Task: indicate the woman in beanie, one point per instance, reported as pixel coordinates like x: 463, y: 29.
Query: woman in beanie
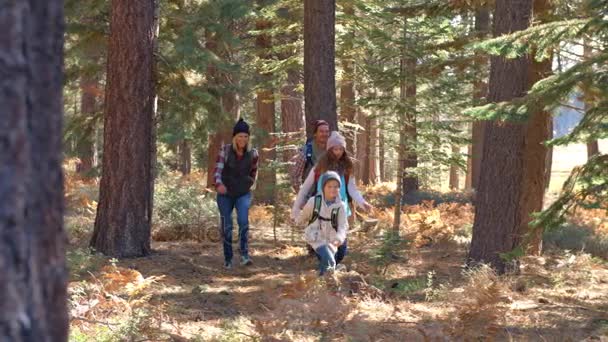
x: 235, y: 175
x: 335, y: 159
x: 325, y: 215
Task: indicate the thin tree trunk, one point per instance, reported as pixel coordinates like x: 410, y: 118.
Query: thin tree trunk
x: 33, y: 281
x: 382, y: 151
x: 89, y: 86
x: 319, y: 64
x: 410, y: 181
x: 468, y: 178
x: 265, y: 124
x: 498, y: 211
x: 122, y: 224
x: 535, y: 158
x: 348, y: 111
x: 407, y: 129
x: 482, y: 26
x: 185, y: 156
x: 363, y: 149
x: 292, y: 115
x: 454, y: 169
x: 374, y: 151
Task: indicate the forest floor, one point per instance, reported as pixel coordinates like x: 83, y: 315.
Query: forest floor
x: 407, y: 288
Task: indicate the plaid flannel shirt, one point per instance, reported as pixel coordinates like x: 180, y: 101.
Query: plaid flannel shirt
x: 221, y: 158
x: 297, y: 168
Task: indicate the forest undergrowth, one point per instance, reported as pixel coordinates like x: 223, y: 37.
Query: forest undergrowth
x: 410, y: 286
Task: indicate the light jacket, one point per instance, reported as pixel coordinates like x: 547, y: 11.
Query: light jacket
x: 321, y: 232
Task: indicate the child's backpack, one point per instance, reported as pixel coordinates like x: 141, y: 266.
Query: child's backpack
x: 317, y: 210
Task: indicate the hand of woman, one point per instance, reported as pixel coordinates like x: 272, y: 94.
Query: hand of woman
x: 367, y: 207
x: 221, y: 189
x: 336, y: 243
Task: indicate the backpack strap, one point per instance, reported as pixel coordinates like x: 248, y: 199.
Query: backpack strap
x: 316, y: 210
x: 308, y: 152
x: 313, y: 191
x: 334, y: 218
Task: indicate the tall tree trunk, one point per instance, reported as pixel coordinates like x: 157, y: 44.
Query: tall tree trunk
x: 185, y: 156
x: 498, y: 211
x: 374, y: 151
x: 410, y: 180
x: 348, y: 111
x: 482, y: 26
x: 265, y: 123
x: 319, y: 64
x: 535, y: 157
x: 406, y: 150
x: 454, y: 169
x: 226, y: 105
x: 122, y: 224
x: 33, y: 285
x: 292, y: 115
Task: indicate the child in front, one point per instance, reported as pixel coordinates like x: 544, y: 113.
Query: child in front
x: 325, y: 215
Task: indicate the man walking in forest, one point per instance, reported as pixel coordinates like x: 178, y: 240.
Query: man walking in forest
x: 234, y: 176
x: 309, y: 154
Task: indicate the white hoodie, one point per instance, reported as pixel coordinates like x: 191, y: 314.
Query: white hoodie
x: 321, y: 232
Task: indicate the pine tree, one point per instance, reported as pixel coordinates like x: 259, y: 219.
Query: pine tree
x: 499, y: 216
x: 124, y: 213
x: 33, y: 290
x: 319, y: 65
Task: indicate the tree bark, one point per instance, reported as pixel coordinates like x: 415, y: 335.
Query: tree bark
x: 122, y: 224
x: 406, y: 150
x: 33, y: 281
x: 482, y: 25
x: 454, y: 169
x: 374, y: 151
x: 535, y: 157
x: 319, y: 64
x: 499, y: 212
x: 185, y: 156
x: 265, y: 123
x: 348, y: 111
x: 410, y: 180
x: 382, y: 151
x: 292, y: 114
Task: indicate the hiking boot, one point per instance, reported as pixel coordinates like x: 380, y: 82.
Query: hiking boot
x: 341, y: 268
x: 228, y: 265
x: 246, y: 260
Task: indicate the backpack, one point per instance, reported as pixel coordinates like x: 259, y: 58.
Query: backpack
x: 308, y: 164
x: 317, y: 210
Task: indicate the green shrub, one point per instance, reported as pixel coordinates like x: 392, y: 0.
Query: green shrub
x: 578, y: 238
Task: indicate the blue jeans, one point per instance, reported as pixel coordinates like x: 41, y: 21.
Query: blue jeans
x: 326, y: 259
x: 340, y: 253
x: 226, y: 204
